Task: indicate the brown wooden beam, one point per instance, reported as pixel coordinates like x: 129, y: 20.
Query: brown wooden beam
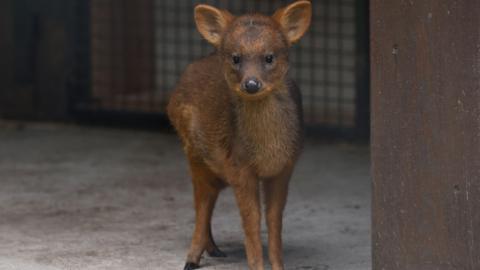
x: 425, y: 63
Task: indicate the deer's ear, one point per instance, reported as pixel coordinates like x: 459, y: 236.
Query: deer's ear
x: 294, y: 19
x: 212, y: 22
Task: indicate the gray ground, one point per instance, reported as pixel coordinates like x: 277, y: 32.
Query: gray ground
x: 83, y: 198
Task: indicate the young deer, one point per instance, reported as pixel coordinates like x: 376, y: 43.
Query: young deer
x: 240, y: 120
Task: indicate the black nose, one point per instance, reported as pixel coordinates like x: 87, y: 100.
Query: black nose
x: 252, y: 85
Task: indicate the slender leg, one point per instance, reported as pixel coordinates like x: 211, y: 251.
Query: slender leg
x: 247, y: 196
x: 276, y: 190
x: 212, y: 248
x: 205, y: 194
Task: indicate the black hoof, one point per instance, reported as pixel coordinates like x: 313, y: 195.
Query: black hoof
x: 217, y: 253
x: 191, y: 266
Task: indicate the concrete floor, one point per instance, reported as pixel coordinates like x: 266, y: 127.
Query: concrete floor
x: 83, y: 198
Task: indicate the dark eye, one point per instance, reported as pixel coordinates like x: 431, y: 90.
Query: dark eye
x: 236, y: 59
x: 269, y: 58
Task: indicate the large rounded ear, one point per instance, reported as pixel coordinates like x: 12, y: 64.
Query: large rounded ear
x: 294, y: 19
x: 212, y: 22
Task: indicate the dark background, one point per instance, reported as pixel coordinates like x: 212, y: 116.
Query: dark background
x: 115, y: 62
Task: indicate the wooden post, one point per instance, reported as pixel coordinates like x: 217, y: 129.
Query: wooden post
x: 425, y: 63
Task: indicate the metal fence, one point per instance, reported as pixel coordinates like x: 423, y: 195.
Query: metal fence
x: 137, y: 50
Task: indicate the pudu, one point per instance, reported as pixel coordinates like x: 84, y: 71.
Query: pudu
x: 239, y: 117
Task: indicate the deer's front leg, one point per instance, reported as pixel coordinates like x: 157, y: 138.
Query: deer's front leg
x: 246, y: 188
x: 276, y: 190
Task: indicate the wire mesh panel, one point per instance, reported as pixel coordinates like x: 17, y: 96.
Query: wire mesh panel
x: 123, y: 63
x: 140, y: 48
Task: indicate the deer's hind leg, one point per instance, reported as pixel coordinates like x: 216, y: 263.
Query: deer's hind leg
x: 212, y: 248
x: 206, y: 188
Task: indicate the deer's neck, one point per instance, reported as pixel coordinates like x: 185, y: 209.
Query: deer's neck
x: 267, y: 130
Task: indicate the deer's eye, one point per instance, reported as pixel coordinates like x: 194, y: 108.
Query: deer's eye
x: 236, y: 59
x: 269, y: 58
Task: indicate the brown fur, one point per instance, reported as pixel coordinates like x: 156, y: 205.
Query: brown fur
x: 236, y: 138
